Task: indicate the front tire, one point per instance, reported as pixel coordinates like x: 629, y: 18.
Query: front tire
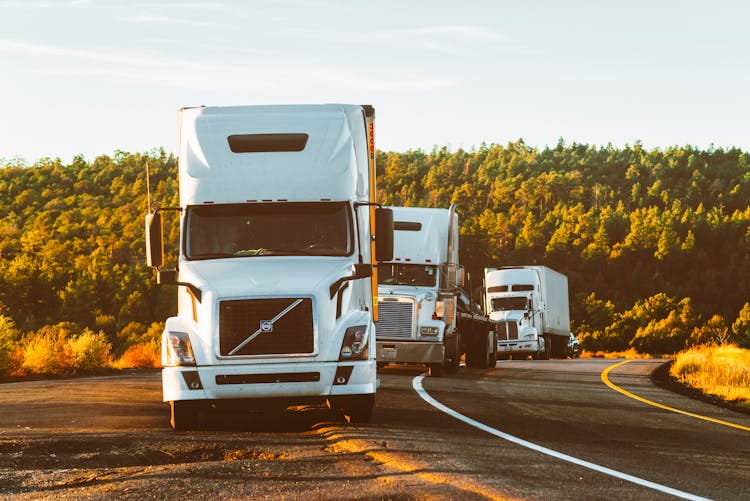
x: 436, y: 370
x: 183, y: 415
x: 452, y: 353
x: 358, y: 408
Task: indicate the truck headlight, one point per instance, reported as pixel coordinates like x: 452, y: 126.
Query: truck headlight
x: 429, y: 331
x: 354, y: 346
x: 179, y: 350
x: 530, y: 336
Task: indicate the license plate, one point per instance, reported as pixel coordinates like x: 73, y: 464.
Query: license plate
x: 389, y: 353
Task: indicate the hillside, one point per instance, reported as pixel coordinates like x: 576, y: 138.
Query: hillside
x: 656, y: 244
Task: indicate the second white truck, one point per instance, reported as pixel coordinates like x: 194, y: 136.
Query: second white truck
x: 531, y: 302
x: 425, y: 316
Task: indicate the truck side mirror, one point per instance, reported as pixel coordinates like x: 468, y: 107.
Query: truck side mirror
x: 383, y: 234
x: 154, y: 240
x: 361, y: 270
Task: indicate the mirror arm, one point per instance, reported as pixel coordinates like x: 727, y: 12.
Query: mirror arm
x: 358, y: 271
x: 193, y: 289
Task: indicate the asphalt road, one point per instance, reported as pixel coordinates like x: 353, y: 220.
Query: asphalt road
x: 551, y: 430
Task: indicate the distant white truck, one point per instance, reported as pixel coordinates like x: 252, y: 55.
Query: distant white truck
x: 532, y: 304
x: 425, y: 316
x: 278, y: 236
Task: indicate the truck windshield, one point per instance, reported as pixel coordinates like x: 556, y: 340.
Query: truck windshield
x: 273, y: 229
x: 509, y: 303
x: 407, y: 274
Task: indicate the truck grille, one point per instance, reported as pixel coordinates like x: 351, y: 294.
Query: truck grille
x: 507, y: 331
x: 395, y: 319
x: 279, y: 326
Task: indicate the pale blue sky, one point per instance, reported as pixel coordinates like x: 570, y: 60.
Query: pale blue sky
x: 94, y: 76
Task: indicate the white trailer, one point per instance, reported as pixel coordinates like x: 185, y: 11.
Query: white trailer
x: 425, y: 318
x: 277, y: 298
x: 532, y: 302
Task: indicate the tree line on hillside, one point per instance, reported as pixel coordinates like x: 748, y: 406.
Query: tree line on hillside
x: 656, y: 244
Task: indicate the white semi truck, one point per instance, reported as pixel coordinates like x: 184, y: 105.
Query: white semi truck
x: 531, y: 302
x: 425, y: 316
x: 277, y: 289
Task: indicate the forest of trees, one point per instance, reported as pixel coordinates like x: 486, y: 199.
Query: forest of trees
x: 655, y: 243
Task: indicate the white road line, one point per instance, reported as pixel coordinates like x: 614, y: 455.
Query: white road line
x: 417, y: 384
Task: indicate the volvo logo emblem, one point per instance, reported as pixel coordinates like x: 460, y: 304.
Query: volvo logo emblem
x: 266, y: 326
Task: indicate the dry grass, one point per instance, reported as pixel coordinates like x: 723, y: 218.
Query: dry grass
x: 722, y: 370
x: 146, y: 354
x: 53, y: 352
x: 629, y: 353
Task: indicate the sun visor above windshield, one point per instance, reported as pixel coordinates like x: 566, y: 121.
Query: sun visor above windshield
x: 295, y: 153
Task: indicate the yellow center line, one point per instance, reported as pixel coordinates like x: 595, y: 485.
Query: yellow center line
x: 605, y: 380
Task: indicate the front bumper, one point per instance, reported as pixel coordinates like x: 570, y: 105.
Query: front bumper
x: 410, y: 352
x: 520, y: 347
x: 272, y: 380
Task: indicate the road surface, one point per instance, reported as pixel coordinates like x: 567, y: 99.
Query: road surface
x: 524, y: 430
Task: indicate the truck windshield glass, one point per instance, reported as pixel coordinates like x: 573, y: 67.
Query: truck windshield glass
x: 407, y: 274
x: 273, y: 229
x: 509, y: 303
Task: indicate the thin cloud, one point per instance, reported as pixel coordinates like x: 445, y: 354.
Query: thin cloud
x: 261, y: 79
x: 445, y: 39
x: 159, y: 19
x: 44, y: 4
x: 468, y: 32
x: 171, y: 72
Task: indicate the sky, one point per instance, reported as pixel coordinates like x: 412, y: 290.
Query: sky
x: 90, y: 77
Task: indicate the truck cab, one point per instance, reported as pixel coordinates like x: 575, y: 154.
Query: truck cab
x: 276, y: 300
x: 417, y: 290
x: 511, y: 296
x: 531, y: 302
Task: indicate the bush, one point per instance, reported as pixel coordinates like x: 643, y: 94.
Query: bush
x: 47, y: 353
x: 9, y: 337
x: 58, y: 350
x: 146, y: 354
x: 90, y: 351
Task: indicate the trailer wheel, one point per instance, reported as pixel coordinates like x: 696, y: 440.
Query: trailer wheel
x: 452, y: 353
x: 183, y: 415
x: 493, y: 350
x: 559, y: 346
x: 436, y: 370
x: 478, y: 356
x: 547, y: 347
x: 358, y: 408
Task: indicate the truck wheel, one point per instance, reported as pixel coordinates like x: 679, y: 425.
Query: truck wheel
x: 492, y: 359
x: 452, y: 355
x: 559, y: 346
x: 478, y: 356
x: 547, y: 347
x: 436, y: 370
x: 183, y: 415
x: 358, y: 408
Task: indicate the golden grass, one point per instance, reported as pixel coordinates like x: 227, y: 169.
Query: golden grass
x: 629, y: 353
x: 722, y: 370
x: 146, y: 354
x: 53, y: 352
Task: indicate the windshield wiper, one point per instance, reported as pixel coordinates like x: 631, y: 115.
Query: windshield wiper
x: 272, y: 252
x: 212, y: 255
